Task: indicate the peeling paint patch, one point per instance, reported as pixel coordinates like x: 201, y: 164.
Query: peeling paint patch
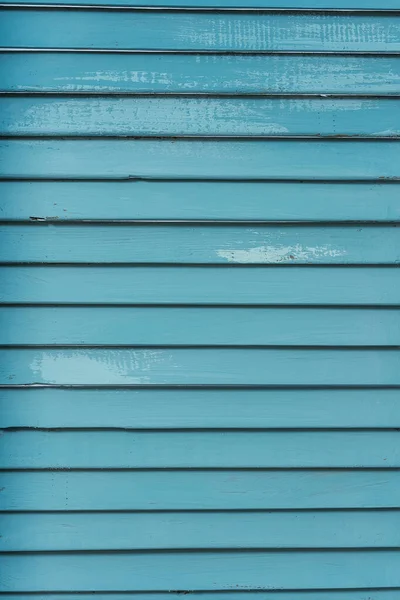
x: 279, y: 254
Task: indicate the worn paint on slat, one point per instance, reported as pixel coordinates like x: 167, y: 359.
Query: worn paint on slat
x: 154, y: 30
x: 194, y: 450
x: 199, y: 116
x: 139, y: 531
x: 199, y: 408
x: 226, y: 285
x: 198, y: 159
x: 169, y: 73
x: 200, y: 366
x: 200, y: 244
x: 222, y: 201
x: 199, y: 326
x: 200, y: 571
x: 199, y: 489
x: 365, y: 594
x: 222, y: 4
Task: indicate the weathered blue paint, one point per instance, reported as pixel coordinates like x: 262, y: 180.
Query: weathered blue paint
x: 199, y: 361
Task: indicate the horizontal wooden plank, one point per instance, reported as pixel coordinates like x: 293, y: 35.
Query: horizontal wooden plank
x: 154, y: 530
x: 199, y: 326
x: 226, y: 285
x: 199, y: 490
x: 216, y: 200
x: 200, y: 571
x: 200, y: 244
x: 200, y: 159
x: 234, y: 4
x: 200, y: 366
x: 169, y: 73
x: 364, y: 594
x: 169, y: 116
x: 199, y: 408
x: 152, y: 30
x: 85, y: 449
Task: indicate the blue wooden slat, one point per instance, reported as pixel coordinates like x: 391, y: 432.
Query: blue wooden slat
x: 39, y: 243
x: 165, y: 116
x: 200, y: 31
x: 211, y: 450
x: 199, y: 326
x: 182, y: 366
x: 168, y: 73
x: 199, y: 490
x: 199, y: 159
x: 200, y: 571
x: 131, y: 531
x: 200, y: 285
x: 199, y: 408
x: 365, y: 594
x: 312, y: 201
x: 224, y: 4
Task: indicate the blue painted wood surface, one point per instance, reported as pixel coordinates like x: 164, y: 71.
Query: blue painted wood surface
x: 200, y: 366
x: 200, y: 326
x: 226, y: 4
x: 206, y: 402
x: 192, y: 489
x: 180, y: 73
x: 200, y: 159
x: 209, y: 201
x: 277, y: 117
x: 194, y: 408
x: 227, y: 285
x: 174, y: 30
x: 208, y: 529
x: 38, y: 243
x: 200, y: 570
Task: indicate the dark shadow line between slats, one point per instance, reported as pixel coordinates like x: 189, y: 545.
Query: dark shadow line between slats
x: 194, y: 469
x: 33, y: 220
x: 135, y: 178
x: 380, y: 509
x: 200, y: 593
x: 340, y: 139
x: 186, y: 52
x: 198, y: 9
x: 205, y: 550
x: 248, y: 387
x: 199, y: 137
x: 190, y: 430
x: 245, y: 550
x: 214, y: 223
x: 233, y: 347
x: 116, y: 264
x: 94, y: 305
x: 193, y: 95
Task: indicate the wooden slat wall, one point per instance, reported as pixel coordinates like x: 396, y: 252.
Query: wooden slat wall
x: 199, y: 364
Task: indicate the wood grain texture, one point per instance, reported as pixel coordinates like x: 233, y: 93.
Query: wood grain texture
x: 169, y: 530
x: 241, y: 32
x: 222, y: 201
x: 365, y: 594
x: 199, y: 489
x: 198, y: 449
x: 200, y: 244
x: 199, y: 366
x: 199, y: 408
x: 243, y: 4
x: 169, y: 73
x: 143, y: 326
x: 227, y: 285
x: 200, y: 571
x: 200, y: 159
x: 156, y: 116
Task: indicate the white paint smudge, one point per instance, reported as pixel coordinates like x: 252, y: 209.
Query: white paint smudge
x: 280, y: 253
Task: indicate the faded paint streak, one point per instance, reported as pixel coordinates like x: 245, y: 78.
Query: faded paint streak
x: 278, y: 254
